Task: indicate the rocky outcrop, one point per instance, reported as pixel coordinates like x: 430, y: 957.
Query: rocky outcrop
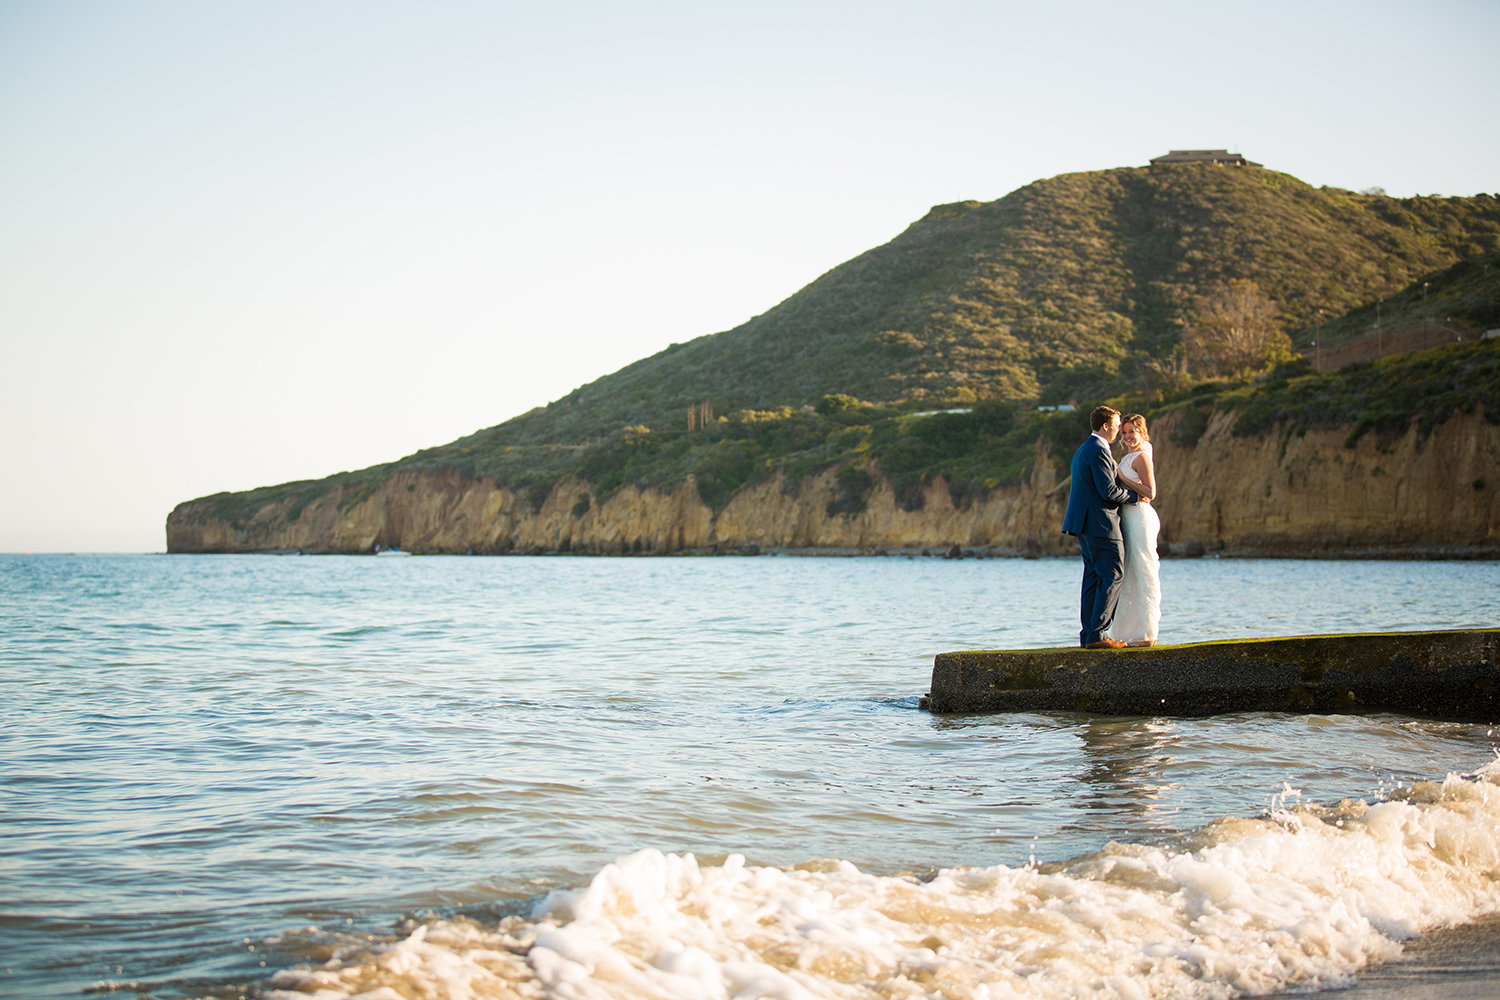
x: 1315, y: 494
x: 1282, y: 494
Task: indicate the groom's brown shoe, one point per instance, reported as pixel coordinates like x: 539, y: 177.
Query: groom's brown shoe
x: 1106, y: 643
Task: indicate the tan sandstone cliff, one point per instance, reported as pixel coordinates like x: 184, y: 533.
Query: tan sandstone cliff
x: 1290, y: 494
x: 1282, y: 494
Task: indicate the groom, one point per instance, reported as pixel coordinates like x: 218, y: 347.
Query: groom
x: 1093, y: 515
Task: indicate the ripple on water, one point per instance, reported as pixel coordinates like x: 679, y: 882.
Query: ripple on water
x: 213, y: 752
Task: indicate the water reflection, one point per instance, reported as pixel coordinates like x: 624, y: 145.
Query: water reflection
x: 1124, y: 775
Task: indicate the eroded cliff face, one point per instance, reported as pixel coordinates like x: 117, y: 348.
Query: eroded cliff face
x: 1283, y: 494
x: 1293, y: 495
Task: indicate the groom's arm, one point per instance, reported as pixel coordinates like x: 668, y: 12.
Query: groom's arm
x: 1107, y: 486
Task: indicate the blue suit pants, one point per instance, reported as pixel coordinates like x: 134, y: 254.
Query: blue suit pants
x: 1103, y: 572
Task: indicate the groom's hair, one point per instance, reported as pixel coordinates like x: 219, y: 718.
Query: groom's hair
x: 1102, y: 416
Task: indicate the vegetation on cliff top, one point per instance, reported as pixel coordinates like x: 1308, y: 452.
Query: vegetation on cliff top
x: 994, y: 443
x: 974, y: 449
x: 1385, y: 396
x: 929, y: 356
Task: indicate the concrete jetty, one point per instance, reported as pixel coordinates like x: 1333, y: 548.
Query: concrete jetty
x: 1446, y: 675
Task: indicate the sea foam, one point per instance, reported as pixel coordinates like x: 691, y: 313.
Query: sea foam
x: 1298, y: 899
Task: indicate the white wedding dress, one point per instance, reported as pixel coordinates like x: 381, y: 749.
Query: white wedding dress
x: 1139, y: 610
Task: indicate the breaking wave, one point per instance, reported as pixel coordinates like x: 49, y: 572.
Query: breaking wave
x: 1301, y: 898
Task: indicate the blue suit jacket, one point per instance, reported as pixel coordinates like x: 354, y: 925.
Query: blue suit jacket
x: 1095, y: 497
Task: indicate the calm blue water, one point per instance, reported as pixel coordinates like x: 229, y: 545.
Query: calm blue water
x: 215, y: 767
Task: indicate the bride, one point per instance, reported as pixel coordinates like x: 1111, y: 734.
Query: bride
x: 1139, y: 610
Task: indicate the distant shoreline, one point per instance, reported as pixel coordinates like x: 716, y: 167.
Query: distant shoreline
x: 1434, y: 553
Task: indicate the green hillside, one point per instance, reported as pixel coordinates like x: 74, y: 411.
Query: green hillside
x: 1457, y: 303
x: 1072, y: 289
x: 1066, y: 288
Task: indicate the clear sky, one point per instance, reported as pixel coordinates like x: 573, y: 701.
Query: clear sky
x: 248, y: 242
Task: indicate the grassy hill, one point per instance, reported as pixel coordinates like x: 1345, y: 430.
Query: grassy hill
x: 1065, y: 290
x: 1457, y: 303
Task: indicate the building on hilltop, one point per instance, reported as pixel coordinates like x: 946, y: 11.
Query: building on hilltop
x: 1222, y: 157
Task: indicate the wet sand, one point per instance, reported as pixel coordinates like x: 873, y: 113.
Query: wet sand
x: 1459, y: 963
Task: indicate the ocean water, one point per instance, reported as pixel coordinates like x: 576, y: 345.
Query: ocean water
x: 325, y: 777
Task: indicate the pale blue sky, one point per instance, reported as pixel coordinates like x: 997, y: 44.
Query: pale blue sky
x: 244, y: 243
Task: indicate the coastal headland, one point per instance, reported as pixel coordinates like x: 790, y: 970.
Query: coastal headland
x: 1446, y: 675
x: 1320, y: 369
x: 1281, y: 493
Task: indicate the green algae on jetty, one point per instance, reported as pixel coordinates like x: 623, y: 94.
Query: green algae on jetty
x: 1447, y: 675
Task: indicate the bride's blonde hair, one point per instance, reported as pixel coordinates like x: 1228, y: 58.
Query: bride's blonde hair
x: 1140, y: 426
